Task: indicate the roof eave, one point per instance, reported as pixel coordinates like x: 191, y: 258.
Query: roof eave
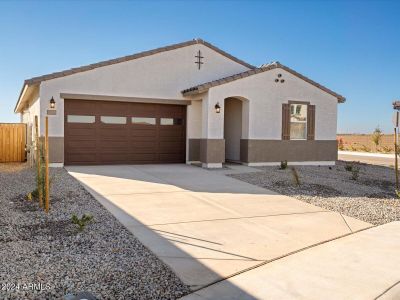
x: 201, y: 88
x: 23, y: 94
x: 142, y: 54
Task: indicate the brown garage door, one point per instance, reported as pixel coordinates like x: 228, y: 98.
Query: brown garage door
x: 107, y: 132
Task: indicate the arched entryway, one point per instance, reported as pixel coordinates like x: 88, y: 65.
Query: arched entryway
x: 233, y: 127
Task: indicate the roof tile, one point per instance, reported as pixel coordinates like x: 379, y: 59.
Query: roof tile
x: 131, y: 57
x: 261, y: 69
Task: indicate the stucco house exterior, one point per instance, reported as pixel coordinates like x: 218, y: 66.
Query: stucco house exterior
x: 184, y: 103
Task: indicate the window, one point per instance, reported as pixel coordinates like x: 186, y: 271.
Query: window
x: 81, y: 119
x: 143, y: 121
x: 298, y: 121
x: 112, y: 120
x: 171, y: 121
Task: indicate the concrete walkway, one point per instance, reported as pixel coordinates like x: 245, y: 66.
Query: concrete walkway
x: 364, y: 265
x: 207, y: 226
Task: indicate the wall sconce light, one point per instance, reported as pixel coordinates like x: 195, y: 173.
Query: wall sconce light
x: 217, y: 108
x: 52, y: 103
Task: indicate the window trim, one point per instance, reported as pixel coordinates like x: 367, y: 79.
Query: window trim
x: 294, y: 102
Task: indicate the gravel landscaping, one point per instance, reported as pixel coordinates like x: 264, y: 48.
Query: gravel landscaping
x: 370, y: 198
x: 104, y: 259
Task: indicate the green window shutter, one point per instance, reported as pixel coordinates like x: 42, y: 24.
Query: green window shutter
x: 310, y: 122
x: 285, y: 121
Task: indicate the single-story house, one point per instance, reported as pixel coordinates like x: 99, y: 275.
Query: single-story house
x: 184, y: 103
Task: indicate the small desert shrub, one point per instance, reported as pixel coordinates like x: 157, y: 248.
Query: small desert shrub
x: 296, y: 177
x: 365, y: 148
x: 283, y: 165
x: 81, y: 222
x: 340, y: 144
x: 355, y: 172
x: 386, y: 149
x: 34, y: 195
x: 377, y: 136
x: 353, y: 147
x: 348, y: 167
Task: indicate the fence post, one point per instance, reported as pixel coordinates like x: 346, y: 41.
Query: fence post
x: 47, y: 204
x: 38, y: 164
x: 396, y: 165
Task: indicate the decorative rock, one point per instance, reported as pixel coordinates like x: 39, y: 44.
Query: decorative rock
x: 46, y: 249
x: 371, y: 198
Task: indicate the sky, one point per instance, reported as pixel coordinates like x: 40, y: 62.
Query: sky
x: 351, y: 47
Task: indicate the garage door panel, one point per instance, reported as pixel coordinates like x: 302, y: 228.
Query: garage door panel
x: 81, y: 132
x: 82, y: 125
x: 81, y: 143
x: 171, y: 133
x: 172, y: 110
x: 143, y: 108
x: 112, y: 108
x: 113, y: 144
x: 116, y: 151
x: 123, y: 132
x: 143, y: 133
x: 112, y: 137
x: 80, y: 107
x: 144, y: 144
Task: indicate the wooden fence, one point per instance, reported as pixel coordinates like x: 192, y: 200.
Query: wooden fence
x: 12, y: 142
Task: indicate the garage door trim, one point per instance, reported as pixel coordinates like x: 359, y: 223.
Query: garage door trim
x: 67, y: 96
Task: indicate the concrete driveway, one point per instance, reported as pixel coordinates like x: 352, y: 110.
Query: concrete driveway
x: 207, y: 226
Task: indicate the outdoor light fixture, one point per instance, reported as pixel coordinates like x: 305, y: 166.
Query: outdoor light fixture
x: 217, y: 108
x: 52, y: 103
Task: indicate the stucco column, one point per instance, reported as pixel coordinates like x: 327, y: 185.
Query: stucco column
x: 212, y: 144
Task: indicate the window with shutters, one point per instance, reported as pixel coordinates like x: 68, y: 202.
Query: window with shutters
x: 298, y: 121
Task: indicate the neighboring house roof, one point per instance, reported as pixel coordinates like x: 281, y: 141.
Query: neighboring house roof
x: 201, y: 88
x: 39, y: 79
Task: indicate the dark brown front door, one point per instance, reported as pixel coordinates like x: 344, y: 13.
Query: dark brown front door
x: 108, y: 132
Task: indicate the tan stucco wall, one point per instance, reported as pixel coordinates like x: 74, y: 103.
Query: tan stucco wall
x: 28, y: 117
x: 162, y: 75
x: 262, y: 117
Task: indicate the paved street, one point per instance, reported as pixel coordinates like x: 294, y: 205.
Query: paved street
x: 368, y: 158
